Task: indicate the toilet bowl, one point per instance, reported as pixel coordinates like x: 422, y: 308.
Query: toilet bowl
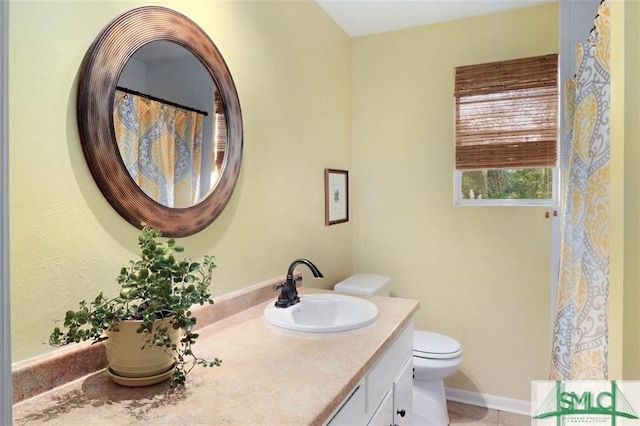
x: 435, y: 356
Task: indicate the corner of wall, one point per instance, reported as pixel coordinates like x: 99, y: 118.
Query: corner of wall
x: 626, y: 16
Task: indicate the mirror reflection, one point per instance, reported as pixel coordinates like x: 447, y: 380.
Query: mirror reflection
x: 169, y: 124
x: 212, y: 179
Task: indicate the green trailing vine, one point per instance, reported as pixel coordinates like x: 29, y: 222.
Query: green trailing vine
x: 157, y: 286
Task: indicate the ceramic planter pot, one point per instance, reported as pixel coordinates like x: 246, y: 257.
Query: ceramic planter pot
x: 127, y: 359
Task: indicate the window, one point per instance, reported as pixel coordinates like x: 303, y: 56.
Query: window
x: 506, y: 132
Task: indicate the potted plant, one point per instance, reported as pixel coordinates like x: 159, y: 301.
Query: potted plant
x: 154, y: 305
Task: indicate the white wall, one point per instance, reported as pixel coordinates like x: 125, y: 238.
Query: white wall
x: 134, y: 76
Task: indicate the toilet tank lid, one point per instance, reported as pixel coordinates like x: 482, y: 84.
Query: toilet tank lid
x: 370, y: 284
x: 429, y: 345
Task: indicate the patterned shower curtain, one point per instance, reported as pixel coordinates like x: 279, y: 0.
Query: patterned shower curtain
x: 580, y: 336
x: 161, y: 147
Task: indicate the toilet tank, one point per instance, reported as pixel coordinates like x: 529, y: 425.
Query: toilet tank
x: 369, y: 284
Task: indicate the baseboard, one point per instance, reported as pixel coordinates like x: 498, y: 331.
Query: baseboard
x: 516, y: 406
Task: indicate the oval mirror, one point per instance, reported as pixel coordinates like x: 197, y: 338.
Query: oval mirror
x: 160, y: 121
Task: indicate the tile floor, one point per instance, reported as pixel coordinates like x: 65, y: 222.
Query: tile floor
x: 463, y: 414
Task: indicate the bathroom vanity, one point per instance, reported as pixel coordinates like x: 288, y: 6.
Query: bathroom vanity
x: 268, y: 375
x: 384, y: 396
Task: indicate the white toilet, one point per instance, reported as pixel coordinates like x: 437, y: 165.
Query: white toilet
x: 435, y: 356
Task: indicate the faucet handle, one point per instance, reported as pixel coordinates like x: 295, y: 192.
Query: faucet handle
x: 296, y: 280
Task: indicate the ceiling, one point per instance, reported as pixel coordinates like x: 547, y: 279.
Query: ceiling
x: 365, y: 17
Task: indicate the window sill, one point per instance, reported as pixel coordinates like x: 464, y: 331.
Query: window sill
x: 505, y: 203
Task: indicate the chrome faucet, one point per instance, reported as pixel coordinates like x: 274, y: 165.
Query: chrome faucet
x: 289, y: 294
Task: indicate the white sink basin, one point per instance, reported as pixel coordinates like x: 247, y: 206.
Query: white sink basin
x: 323, y: 313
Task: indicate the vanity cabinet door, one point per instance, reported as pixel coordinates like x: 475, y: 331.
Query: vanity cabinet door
x: 352, y: 411
x: 385, y: 372
x: 403, y: 395
x: 384, y: 414
x: 384, y: 397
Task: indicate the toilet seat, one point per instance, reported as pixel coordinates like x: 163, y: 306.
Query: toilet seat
x: 429, y: 345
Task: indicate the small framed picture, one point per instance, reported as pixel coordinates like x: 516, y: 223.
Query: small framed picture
x: 336, y: 196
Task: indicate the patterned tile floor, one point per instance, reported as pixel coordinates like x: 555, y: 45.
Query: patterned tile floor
x: 463, y: 414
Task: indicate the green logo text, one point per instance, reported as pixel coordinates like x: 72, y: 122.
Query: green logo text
x: 561, y: 404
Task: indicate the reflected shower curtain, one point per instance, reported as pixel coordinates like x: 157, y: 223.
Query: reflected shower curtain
x: 580, y: 336
x: 161, y: 147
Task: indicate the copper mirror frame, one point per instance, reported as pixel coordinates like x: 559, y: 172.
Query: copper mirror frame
x: 99, y: 75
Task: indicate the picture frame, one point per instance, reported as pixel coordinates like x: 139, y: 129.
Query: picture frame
x: 336, y: 196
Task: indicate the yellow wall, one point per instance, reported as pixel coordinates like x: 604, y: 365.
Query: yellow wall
x: 625, y: 97
x: 621, y: 294
x: 482, y: 275
x: 66, y: 240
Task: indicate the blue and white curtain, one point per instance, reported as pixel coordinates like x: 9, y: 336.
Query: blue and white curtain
x: 580, y: 338
x: 161, y: 147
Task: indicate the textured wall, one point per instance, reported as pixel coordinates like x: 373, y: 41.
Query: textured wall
x: 625, y: 238
x: 482, y: 274
x: 290, y: 63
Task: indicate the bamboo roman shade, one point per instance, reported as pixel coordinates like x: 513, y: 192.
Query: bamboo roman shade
x: 507, y: 114
x: 220, y: 131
